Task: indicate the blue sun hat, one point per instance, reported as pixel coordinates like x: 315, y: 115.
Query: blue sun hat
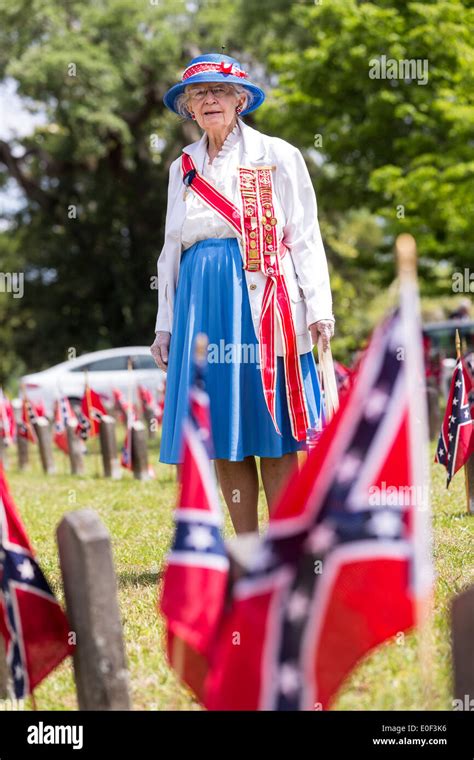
x: 214, y: 67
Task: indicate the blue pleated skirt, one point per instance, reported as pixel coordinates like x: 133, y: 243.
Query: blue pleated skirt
x: 211, y: 297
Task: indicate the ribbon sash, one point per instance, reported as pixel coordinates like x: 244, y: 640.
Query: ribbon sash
x: 257, y: 229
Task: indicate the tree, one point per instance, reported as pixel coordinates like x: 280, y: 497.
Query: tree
x: 94, y: 174
x: 401, y: 147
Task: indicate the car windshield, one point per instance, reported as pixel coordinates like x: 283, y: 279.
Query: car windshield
x: 442, y: 338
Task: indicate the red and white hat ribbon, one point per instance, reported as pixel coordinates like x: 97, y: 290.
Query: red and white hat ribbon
x: 205, y: 67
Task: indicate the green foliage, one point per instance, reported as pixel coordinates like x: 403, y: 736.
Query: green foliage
x: 94, y: 173
x: 387, y: 155
x: 398, y: 148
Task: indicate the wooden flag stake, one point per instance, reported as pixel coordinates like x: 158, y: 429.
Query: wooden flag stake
x: 406, y: 254
x: 130, y: 419
x: 87, y: 393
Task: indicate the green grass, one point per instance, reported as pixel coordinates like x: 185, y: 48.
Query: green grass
x: 138, y: 516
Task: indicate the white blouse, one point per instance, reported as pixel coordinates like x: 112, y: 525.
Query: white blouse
x: 201, y: 222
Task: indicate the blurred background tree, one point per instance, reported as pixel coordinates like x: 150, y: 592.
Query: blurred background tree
x: 386, y: 154
x: 390, y: 155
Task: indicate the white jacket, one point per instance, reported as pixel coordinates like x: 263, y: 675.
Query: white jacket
x: 295, y: 208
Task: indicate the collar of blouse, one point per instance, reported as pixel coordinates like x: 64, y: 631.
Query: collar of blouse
x: 232, y: 139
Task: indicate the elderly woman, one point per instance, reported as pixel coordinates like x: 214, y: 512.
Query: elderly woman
x: 244, y: 263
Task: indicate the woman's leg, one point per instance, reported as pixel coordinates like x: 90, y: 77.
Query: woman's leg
x: 275, y: 471
x: 239, y: 484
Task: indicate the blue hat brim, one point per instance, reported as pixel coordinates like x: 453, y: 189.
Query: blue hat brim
x: 169, y: 99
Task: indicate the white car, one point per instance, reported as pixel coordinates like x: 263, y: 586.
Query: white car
x: 106, y: 371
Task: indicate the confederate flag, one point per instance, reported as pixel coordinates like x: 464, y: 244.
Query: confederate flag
x: 456, y: 440
x: 28, y: 417
x: 7, y: 419
x: 345, y: 558
x: 196, y: 573
x: 92, y: 411
x: 121, y: 404
x: 63, y: 414
x: 32, y: 623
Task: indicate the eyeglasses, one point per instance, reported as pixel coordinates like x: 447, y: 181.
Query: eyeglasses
x: 219, y: 91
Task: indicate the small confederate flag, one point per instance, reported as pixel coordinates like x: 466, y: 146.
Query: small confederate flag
x: 126, y: 453
x: 121, y: 404
x: 92, y: 411
x: 146, y: 397
x: 160, y: 408
x: 7, y: 420
x: 456, y: 440
x: 62, y: 415
x: 28, y: 417
x: 344, y: 562
x: 32, y: 623
x: 196, y: 573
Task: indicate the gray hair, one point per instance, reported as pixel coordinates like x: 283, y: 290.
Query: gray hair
x: 181, y: 102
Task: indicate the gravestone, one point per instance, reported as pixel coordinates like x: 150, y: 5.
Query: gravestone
x: 462, y: 627
x: 139, y: 451
x: 90, y: 589
x: 42, y: 429
x: 108, y: 447
x: 3, y: 670
x: 74, y: 444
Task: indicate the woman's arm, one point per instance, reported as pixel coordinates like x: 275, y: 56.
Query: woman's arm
x: 302, y: 235
x: 160, y: 346
x: 162, y: 319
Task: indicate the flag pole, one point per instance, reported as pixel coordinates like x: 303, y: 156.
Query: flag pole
x: 29, y: 426
x: 422, y: 577
x: 87, y: 393
x: 328, y: 375
x: 129, y: 410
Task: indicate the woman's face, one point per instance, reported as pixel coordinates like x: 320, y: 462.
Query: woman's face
x: 213, y: 104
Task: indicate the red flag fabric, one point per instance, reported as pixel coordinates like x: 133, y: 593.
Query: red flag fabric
x: 456, y: 440
x: 344, y: 376
x: 63, y: 414
x: 7, y: 420
x: 28, y: 417
x: 121, y: 404
x: 161, y: 403
x: 39, y: 408
x: 146, y: 396
x: 126, y: 453
x: 196, y: 573
x: 92, y: 411
x: 34, y: 627
x: 343, y: 564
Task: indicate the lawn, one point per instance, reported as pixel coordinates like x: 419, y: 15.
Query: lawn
x: 138, y: 516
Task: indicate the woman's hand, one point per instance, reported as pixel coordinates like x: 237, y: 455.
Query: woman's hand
x: 159, y: 349
x: 325, y: 328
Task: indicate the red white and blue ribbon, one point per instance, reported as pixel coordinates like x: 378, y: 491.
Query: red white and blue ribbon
x: 257, y: 229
